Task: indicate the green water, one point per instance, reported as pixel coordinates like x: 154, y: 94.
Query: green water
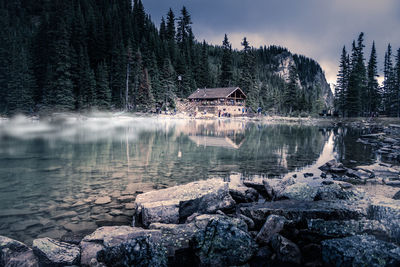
x: 51, y: 174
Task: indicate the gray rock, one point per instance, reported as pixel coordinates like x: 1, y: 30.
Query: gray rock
x: 298, y: 210
x: 108, y: 237
x: 396, y: 196
x: 388, y: 213
x: 336, y: 229
x: 243, y: 194
x: 335, y: 191
x: 359, y: 250
x: 54, y: 253
x: 262, y: 258
x: 176, y: 238
x: 257, y: 185
x: 137, y: 251
x: 273, y: 225
x: 222, y: 243
x: 248, y: 221
x: 286, y: 250
x: 175, y: 204
x: 333, y: 167
x: 15, y: 254
x: 298, y: 191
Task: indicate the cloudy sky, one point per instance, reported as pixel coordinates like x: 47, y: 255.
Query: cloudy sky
x: 315, y: 28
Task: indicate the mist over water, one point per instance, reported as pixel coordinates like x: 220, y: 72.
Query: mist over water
x: 54, y: 171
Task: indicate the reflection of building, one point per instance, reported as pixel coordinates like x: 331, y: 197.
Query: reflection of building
x: 230, y: 100
x: 227, y: 134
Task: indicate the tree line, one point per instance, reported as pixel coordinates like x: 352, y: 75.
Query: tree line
x: 358, y: 92
x: 77, y: 55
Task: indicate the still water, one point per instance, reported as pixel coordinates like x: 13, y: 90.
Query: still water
x: 73, y: 175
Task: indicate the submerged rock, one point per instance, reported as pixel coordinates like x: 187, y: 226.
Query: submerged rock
x: 223, y: 244
x: 360, y: 250
x: 14, y: 254
x: 175, y: 204
x: 103, y: 200
x: 54, y: 253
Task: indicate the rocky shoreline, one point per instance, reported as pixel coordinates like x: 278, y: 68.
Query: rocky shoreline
x: 295, y: 221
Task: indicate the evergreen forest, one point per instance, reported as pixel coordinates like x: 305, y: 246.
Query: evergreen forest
x: 82, y: 55
x: 358, y: 92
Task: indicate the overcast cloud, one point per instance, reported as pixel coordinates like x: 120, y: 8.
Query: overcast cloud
x: 314, y: 28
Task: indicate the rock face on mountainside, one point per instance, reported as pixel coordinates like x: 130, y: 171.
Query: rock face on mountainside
x: 296, y: 221
x: 315, y: 83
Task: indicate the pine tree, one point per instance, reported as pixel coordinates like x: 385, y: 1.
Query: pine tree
x: 168, y: 84
x: 357, y: 80
x: 389, y: 83
x: 226, y: 76
x: 59, y: 87
x: 342, y: 83
x: 372, y: 96
x: 397, y: 84
x: 204, y: 69
x: 163, y: 29
x: 290, y: 97
x: 21, y: 83
x: 247, y: 80
x: 103, y: 91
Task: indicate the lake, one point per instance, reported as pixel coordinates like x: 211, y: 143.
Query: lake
x: 72, y: 175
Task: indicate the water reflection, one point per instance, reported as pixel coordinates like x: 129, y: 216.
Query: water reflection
x: 51, y: 174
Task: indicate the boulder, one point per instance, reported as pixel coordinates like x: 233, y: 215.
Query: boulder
x: 14, y: 254
x: 298, y: 191
x: 222, y: 243
x: 360, y: 250
x: 175, y: 204
x: 136, y: 251
x: 396, y: 196
x: 298, y: 210
x: 286, y: 251
x: 335, y: 191
x: 274, y: 187
x: 243, y: 194
x: 54, y: 253
x: 262, y: 258
x: 273, y: 225
x: 109, y: 236
x: 388, y: 213
x: 336, y: 229
x: 333, y: 167
x: 176, y: 238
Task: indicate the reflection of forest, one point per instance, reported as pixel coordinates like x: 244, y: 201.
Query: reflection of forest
x: 349, y: 151
x: 169, y: 156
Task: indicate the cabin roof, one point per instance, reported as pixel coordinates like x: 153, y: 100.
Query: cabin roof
x: 214, y: 93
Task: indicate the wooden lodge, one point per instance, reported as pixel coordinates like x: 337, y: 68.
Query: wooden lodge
x: 229, y: 101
